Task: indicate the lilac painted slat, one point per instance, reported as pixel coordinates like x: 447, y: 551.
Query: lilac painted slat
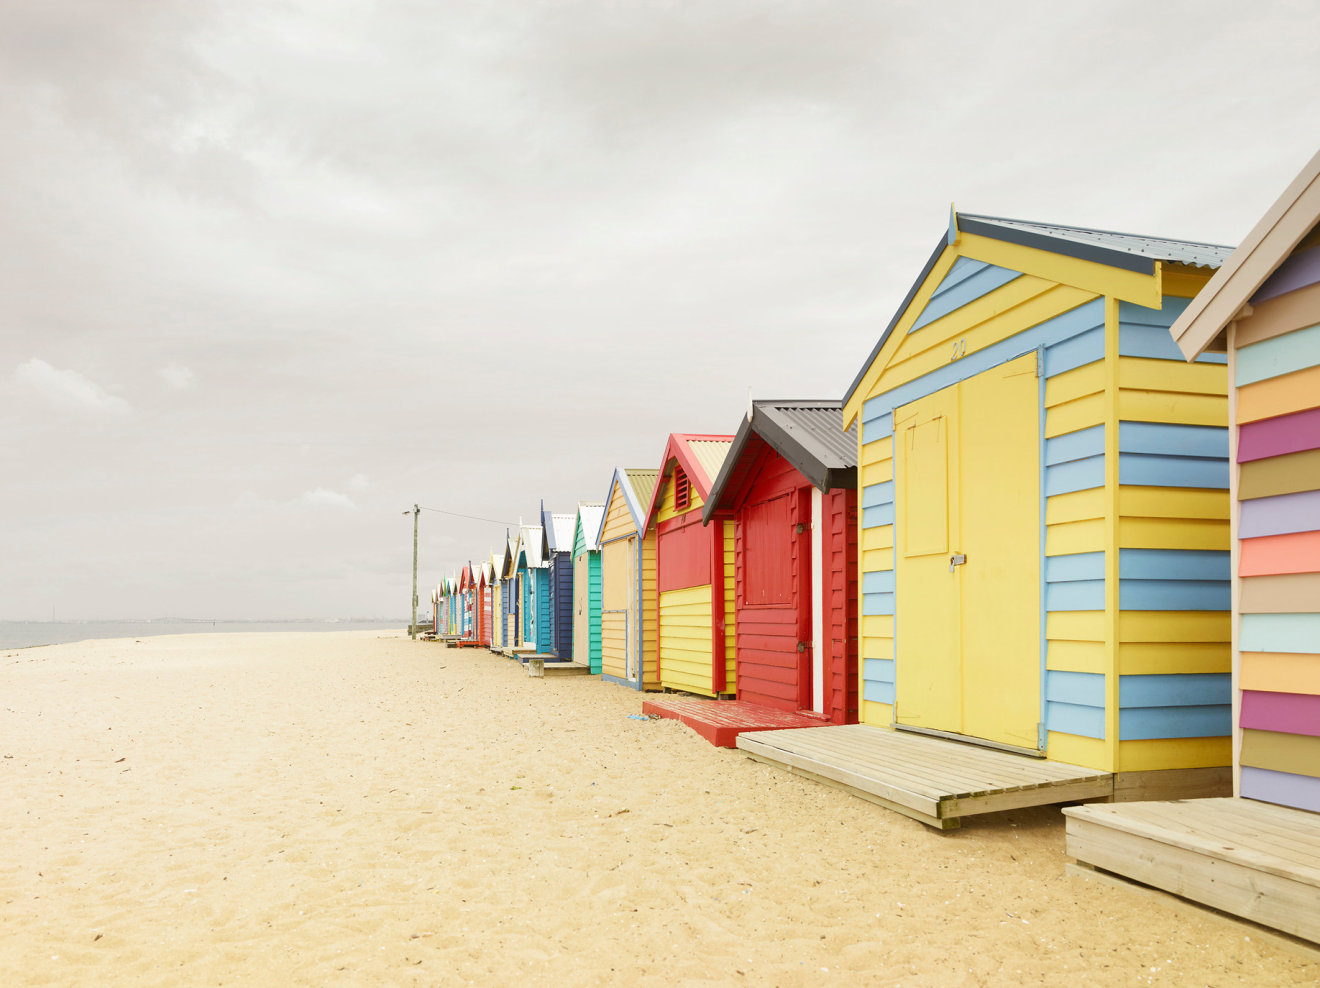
x: 1300, y: 270
x: 1280, y: 515
x: 1284, y: 788
x: 1287, y: 713
x: 1276, y: 437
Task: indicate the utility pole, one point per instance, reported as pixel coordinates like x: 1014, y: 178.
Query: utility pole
x: 412, y: 628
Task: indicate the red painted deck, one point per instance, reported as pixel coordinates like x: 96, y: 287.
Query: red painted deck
x: 721, y: 721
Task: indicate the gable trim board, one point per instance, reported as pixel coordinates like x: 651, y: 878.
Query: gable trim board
x: 1131, y: 466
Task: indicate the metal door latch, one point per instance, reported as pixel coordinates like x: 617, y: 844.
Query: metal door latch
x: 957, y: 559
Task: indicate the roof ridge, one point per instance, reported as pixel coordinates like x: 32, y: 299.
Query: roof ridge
x: 1088, y: 229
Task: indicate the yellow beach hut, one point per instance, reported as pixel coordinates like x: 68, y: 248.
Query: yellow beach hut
x: 627, y: 572
x: 1043, y: 483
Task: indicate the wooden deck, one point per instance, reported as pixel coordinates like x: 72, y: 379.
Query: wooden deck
x: 1254, y: 860
x: 721, y: 721
x: 934, y: 780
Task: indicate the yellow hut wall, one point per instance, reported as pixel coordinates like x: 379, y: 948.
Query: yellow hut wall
x: 1107, y: 389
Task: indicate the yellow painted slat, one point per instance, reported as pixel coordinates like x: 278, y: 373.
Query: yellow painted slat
x: 878, y: 538
x: 1173, y: 533
x: 1173, y: 502
x: 1175, y: 409
x: 1165, y: 753
x: 1081, y: 413
x: 876, y: 714
x: 1144, y: 374
x: 1075, y: 506
x: 1173, y: 658
x: 877, y: 471
x: 1098, y: 279
x: 1082, y: 626
x: 878, y: 625
x: 877, y: 559
x: 1076, y: 750
x: 1078, y: 536
x: 1075, y: 656
x: 1174, y: 626
x: 1077, y: 383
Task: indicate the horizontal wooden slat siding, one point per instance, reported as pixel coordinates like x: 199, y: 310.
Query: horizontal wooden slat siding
x: 1270, y: 555
x: 685, y: 640
x: 1291, y: 474
x: 593, y: 611
x: 842, y: 631
x: 614, y: 632
x: 1279, y: 515
x: 618, y: 605
x: 1293, y: 433
x: 1295, y: 392
x: 1292, y: 713
x: 730, y: 611
x: 650, y: 620
x: 618, y: 519
x: 1286, y: 672
x: 1299, y: 791
x: 582, y: 617
x: 1296, y: 754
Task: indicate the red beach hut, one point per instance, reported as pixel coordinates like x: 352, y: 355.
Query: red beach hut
x: 790, y: 483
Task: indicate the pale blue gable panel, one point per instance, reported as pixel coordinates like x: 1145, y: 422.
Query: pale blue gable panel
x: 1281, y: 355
x: 1048, y: 333
x: 966, y: 281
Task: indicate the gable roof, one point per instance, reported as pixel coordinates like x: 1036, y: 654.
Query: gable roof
x: 558, y: 531
x: 805, y: 433
x: 1128, y: 251
x: 636, y: 485
x: 529, y: 544
x: 510, y: 558
x: 700, y: 456
x: 1270, y: 242
x: 588, y: 519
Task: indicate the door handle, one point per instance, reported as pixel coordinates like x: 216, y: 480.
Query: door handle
x: 957, y: 559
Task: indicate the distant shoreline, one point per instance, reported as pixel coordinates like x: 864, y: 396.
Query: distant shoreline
x: 37, y: 634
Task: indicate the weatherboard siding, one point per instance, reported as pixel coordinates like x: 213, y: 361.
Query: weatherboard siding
x: 1142, y: 680
x: 1277, y: 374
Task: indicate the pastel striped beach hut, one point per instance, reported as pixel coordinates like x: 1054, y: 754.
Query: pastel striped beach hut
x: 695, y: 635
x: 557, y: 551
x: 467, y: 604
x: 586, y: 584
x: 485, y: 603
x: 496, y: 565
x: 1043, y: 482
x: 790, y: 483
x: 1256, y: 855
x: 627, y: 573
x: 510, y: 596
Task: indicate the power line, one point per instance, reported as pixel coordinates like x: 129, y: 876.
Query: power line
x: 456, y: 514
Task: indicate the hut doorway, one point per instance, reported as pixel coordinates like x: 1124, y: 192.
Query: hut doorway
x: 967, y: 462
x: 619, y: 651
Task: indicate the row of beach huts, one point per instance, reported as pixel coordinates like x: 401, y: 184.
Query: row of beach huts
x: 1059, y: 543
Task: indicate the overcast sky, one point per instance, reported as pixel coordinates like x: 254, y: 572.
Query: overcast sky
x: 274, y: 272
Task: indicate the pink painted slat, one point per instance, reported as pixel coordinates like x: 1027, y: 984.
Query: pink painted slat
x: 1298, y: 552
x: 1300, y: 270
x: 1287, y: 713
x: 1279, y: 436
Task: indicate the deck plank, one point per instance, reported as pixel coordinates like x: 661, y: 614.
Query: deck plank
x: 937, y: 779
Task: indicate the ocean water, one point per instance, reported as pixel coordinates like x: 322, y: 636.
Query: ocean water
x: 25, y: 634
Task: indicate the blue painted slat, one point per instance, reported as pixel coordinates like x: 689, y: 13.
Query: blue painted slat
x: 1174, y: 564
x: 1075, y: 566
x: 1076, y: 475
x: 1075, y: 445
x: 878, y: 517
x: 1048, y: 333
x: 962, y: 269
x: 879, y: 427
x: 1078, y: 351
x: 1144, y: 470
x: 877, y: 494
x: 878, y: 692
x: 951, y: 297
x: 1131, y: 314
x: 1183, y: 440
x: 1068, y: 718
x: 878, y: 581
x: 877, y: 604
x: 1281, y: 355
x: 1151, y: 723
x: 1078, y: 595
x: 1174, y: 595
x: 1281, y: 633
x: 880, y: 670
x: 1185, y: 690
x: 1086, y: 689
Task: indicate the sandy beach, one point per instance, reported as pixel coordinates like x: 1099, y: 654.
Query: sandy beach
x: 356, y: 808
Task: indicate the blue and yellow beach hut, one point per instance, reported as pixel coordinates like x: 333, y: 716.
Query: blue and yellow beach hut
x: 1043, y: 482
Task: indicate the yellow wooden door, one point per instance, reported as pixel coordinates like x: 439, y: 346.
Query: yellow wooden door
x: 968, y: 627
x: 617, y: 603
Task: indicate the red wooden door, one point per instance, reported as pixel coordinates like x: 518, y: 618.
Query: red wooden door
x: 768, y: 660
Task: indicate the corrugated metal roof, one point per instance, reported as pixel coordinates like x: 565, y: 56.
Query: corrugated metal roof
x: 590, y: 513
x: 561, y: 529
x: 1149, y: 248
x: 529, y: 538
x: 815, y: 425
x: 709, y: 455
x: 643, y: 485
